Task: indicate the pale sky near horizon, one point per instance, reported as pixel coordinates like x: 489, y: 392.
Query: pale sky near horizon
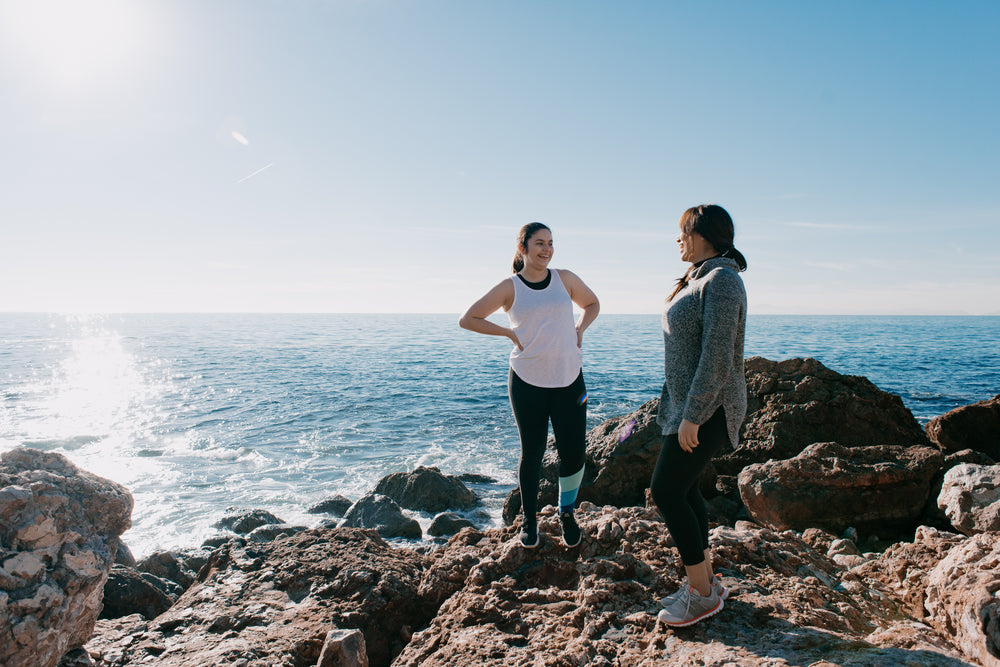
x: 380, y: 155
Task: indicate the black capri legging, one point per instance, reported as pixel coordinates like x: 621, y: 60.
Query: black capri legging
x: 533, y: 407
x: 675, y: 486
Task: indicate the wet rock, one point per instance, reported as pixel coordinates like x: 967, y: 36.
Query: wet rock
x: 59, y: 530
x: 242, y: 521
x: 448, y: 523
x: 877, y: 489
x: 123, y: 556
x: 970, y: 498
x: 336, y: 506
x: 975, y: 426
x: 384, y: 515
x: 475, y: 478
x: 129, y: 591
x: 426, y: 490
x: 273, y: 531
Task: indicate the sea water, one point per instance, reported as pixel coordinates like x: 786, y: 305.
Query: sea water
x: 195, y: 414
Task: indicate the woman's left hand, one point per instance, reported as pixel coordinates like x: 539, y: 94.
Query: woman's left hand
x: 579, y: 339
x: 687, y: 436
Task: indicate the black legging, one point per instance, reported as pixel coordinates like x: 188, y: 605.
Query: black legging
x: 675, y: 486
x: 533, y: 407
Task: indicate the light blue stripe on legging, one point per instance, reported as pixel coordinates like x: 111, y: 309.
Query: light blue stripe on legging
x: 568, y: 486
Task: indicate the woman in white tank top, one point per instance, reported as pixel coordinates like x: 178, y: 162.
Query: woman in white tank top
x: 546, y: 379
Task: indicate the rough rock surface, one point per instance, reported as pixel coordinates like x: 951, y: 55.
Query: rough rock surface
x: 274, y: 604
x: 129, y: 591
x: 975, y: 426
x: 384, y: 515
x: 427, y: 490
x: 504, y: 605
x: 483, y: 600
x: 947, y: 581
x: 59, y: 530
x: 970, y: 498
x: 876, y: 489
x: 794, y: 403
x: 243, y: 521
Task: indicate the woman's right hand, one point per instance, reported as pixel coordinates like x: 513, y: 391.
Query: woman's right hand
x: 513, y: 339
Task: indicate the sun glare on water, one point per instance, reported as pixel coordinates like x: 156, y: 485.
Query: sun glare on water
x: 72, y: 44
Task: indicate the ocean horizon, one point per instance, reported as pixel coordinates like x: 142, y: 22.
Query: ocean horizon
x: 197, y: 413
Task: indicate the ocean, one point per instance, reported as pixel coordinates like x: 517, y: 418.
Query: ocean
x: 195, y: 414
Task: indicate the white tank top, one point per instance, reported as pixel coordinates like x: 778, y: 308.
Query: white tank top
x: 543, y: 321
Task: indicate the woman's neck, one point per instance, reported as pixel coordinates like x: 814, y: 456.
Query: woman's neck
x: 533, y: 275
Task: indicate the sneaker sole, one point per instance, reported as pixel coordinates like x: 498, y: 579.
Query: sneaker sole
x: 530, y: 546
x: 696, y: 619
x: 570, y: 546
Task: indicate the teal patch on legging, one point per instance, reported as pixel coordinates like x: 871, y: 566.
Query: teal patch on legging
x: 568, y: 486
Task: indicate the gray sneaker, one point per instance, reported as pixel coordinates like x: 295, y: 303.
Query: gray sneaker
x: 717, y: 586
x: 688, y: 607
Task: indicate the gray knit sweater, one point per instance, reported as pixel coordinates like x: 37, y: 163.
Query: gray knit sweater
x: 703, y: 329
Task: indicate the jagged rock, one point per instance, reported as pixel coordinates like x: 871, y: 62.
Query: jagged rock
x: 975, y: 426
x: 273, y: 603
x: 242, y: 521
x: 180, y: 567
x: 476, y: 478
x: 878, y: 489
x: 426, y: 490
x: 970, y: 498
x: 504, y: 605
x: 59, y: 530
x: 336, y: 506
x: 384, y: 515
x: 795, y: 403
x: 448, y: 523
x: 963, y: 597
x: 129, y: 591
x: 343, y: 648
x: 947, y: 581
x: 123, y: 556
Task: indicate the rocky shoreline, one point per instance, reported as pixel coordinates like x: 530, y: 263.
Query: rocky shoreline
x: 847, y: 534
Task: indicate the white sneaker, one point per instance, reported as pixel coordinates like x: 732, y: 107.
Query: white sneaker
x: 688, y: 607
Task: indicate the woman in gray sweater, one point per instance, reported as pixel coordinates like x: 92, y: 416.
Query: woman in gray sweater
x: 703, y: 401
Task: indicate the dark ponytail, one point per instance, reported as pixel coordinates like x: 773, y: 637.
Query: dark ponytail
x: 715, y: 225
x: 523, y: 237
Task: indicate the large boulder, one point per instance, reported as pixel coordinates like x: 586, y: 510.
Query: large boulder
x: 426, y: 490
x: 384, y: 515
x: 881, y: 489
x: 975, y: 426
x: 794, y: 403
x: 59, y: 530
x: 970, y: 498
x: 278, y: 603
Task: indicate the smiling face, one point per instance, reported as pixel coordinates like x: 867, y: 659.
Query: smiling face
x: 693, y: 246
x: 538, y: 250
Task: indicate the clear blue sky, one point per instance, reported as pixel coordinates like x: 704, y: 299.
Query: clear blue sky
x: 380, y: 155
